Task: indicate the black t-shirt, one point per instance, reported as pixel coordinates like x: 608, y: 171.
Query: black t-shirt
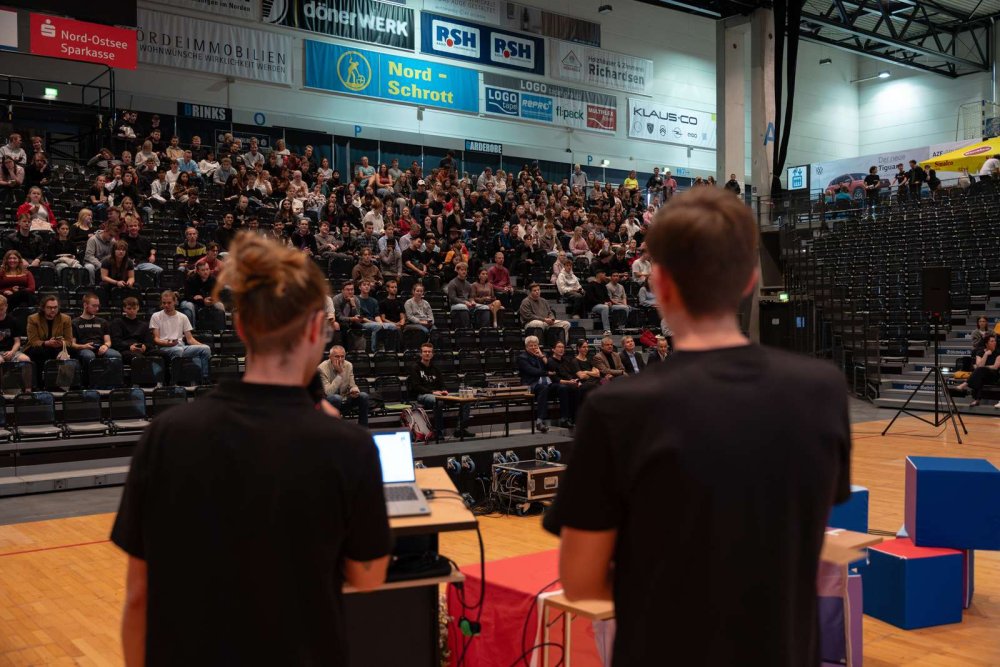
x: 244, y: 505
x: 90, y: 331
x: 872, y: 181
x: 719, y: 521
x: 9, y: 331
x: 392, y: 309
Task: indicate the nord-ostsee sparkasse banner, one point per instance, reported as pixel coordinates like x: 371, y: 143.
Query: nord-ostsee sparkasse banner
x: 244, y: 9
x: 669, y: 124
x: 217, y: 48
x: 597, y: 67
x: 369, y: 21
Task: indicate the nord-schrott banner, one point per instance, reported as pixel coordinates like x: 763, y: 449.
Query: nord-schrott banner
x: 368, y: 21
x: 539, y: 102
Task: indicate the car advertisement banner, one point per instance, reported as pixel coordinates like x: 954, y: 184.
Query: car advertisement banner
x: 669, y: 124
x: 344, y: 69
x: 478, y: 43
x: 852, y: 171
x: 539, y: 102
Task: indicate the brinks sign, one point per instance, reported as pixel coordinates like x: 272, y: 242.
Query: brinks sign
x: 204, y: 112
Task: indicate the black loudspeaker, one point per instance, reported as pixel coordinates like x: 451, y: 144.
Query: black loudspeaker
x: 936, y: 283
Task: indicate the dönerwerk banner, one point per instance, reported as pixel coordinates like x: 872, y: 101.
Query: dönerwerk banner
x: 596, y: 67
x: 57, y: 37
x: 669, y: 124
x: 368, y: 21
x: 206, y: 46
x: 539, y: 102
x: 242, y: 9
x: 344, y: 69
x: 478, y: 43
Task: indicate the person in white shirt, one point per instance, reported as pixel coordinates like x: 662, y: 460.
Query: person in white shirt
x: 172, y: 336
x: 642, y: 266
x: 989, y: 168
x: 579, y: 179
x: 209, y: 165
x: 571, y: 290
x: 13, y: 149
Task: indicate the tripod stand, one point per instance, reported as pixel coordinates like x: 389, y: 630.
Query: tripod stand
x: 940, y: 391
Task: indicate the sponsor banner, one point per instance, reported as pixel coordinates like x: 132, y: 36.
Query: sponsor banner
x: 205, y: 46
x: 666, y: 123
x: 369, y: 21
x: 344, y: 69
x: 8, y: 30
x: 474, y: 42
x: 108, y: 12
x: 243, y: 9
x: 852, y: 171
x: 540, y: 22
x: 204, y: 112
x: 476, y: 146
x: 540, y: 102
x: 484, y: 11
x: 78, y: 40
x: 263, y: 140
x: 597, y: 67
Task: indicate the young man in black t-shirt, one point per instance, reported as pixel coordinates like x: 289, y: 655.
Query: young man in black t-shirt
x: 873, y: 183
x: 699, y: 491
x: 392, y: 307
x: 10, y: 336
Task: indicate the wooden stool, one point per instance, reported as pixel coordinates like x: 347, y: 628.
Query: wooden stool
x: 595, y: 610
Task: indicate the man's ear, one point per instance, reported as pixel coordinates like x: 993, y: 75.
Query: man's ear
x: 752, y: 281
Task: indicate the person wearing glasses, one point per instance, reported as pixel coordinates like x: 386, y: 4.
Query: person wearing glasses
x: 247, y: 511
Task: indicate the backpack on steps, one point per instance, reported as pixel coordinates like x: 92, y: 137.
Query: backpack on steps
x: 415, y: 418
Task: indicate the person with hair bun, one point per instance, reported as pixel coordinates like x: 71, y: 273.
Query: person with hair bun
x: 249, y: 479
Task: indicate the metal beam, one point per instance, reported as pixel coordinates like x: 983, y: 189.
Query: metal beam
x: 895, y: 43
x: 943, y: 70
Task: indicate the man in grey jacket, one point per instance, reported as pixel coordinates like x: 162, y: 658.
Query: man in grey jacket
x: 337, y: 375
x: 536, y: 313
x: 99, y: 247
x: 460, y: 299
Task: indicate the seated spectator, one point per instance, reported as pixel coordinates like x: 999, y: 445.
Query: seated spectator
x: 10, y: 336
x: 17, y: 284
x: 118, y: 271
x: 225, y: 171
x: 632, y: 360
x: 11, y: 178
x: 642, y: 266
x: 500, y: 279
x: 211, y: 259
x: 12, y: 149
x: 92, y: 334
x: 38, y: 173
x: 225, y: 232
x: 82, y: 229
x: 646, y: 297
x: 42, y: 217
x: 391, y: 307
x: 532, y: 366
x: 419, y: 313
x: 97, y: 198
x: 371, y: 315
x: 208, y: 166
x: 617, y: 294
x: 460, y: 300
x: 570, y: 290
x: 129, y: 333
x: 140, y: 249
x: 61, y: 252
x: 171, y: 332
x: 49, y: 333
x: 390, y: 257
x: 199, y: 289
x: 483, y: 295
x: 598, y: 299
x: 566, y: 383
x: 414, y: 261
x: 661, y: 352
x: 302, y: 238
x: 536, y: 313
x: 607, y: 361
x: 99, y: 248
x: 161, y: 195
x: 190, y: 251
x: 979, y: 334
x: 337, y: 376
x: 986, y: 370
x: 26, y: 243
x: 366, y: 269
x: 348, y: 314
x: 426, y: 384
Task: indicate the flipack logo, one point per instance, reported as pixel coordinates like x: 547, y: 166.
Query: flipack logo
x: 455, y: 39
x: 602, y: 118
x: 78, y: 40
x: 511, y: 50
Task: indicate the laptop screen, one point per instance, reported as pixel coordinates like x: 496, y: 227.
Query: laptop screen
x: 395, y: 455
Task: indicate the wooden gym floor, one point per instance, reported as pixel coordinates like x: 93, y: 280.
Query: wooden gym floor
x: 62, y: 581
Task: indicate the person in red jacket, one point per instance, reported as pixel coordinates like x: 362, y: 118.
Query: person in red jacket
x: 42, y: 218
x: 16, y: 282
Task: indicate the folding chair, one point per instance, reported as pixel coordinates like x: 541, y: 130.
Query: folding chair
x: 81, y: 414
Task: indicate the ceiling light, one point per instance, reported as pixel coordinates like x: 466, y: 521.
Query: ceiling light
x: 884, y: 74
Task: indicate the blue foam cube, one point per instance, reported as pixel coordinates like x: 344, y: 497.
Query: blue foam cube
x: 952, y: 502
x: 852, y: 514
x: 913, y: 587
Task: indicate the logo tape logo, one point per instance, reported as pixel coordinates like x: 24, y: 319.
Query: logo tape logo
x: 503, y: 102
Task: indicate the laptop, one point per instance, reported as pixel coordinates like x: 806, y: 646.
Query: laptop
x: 402, y: 496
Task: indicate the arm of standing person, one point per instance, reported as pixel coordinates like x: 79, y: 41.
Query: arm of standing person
x: 368, y: 543
x: 134, y: 614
